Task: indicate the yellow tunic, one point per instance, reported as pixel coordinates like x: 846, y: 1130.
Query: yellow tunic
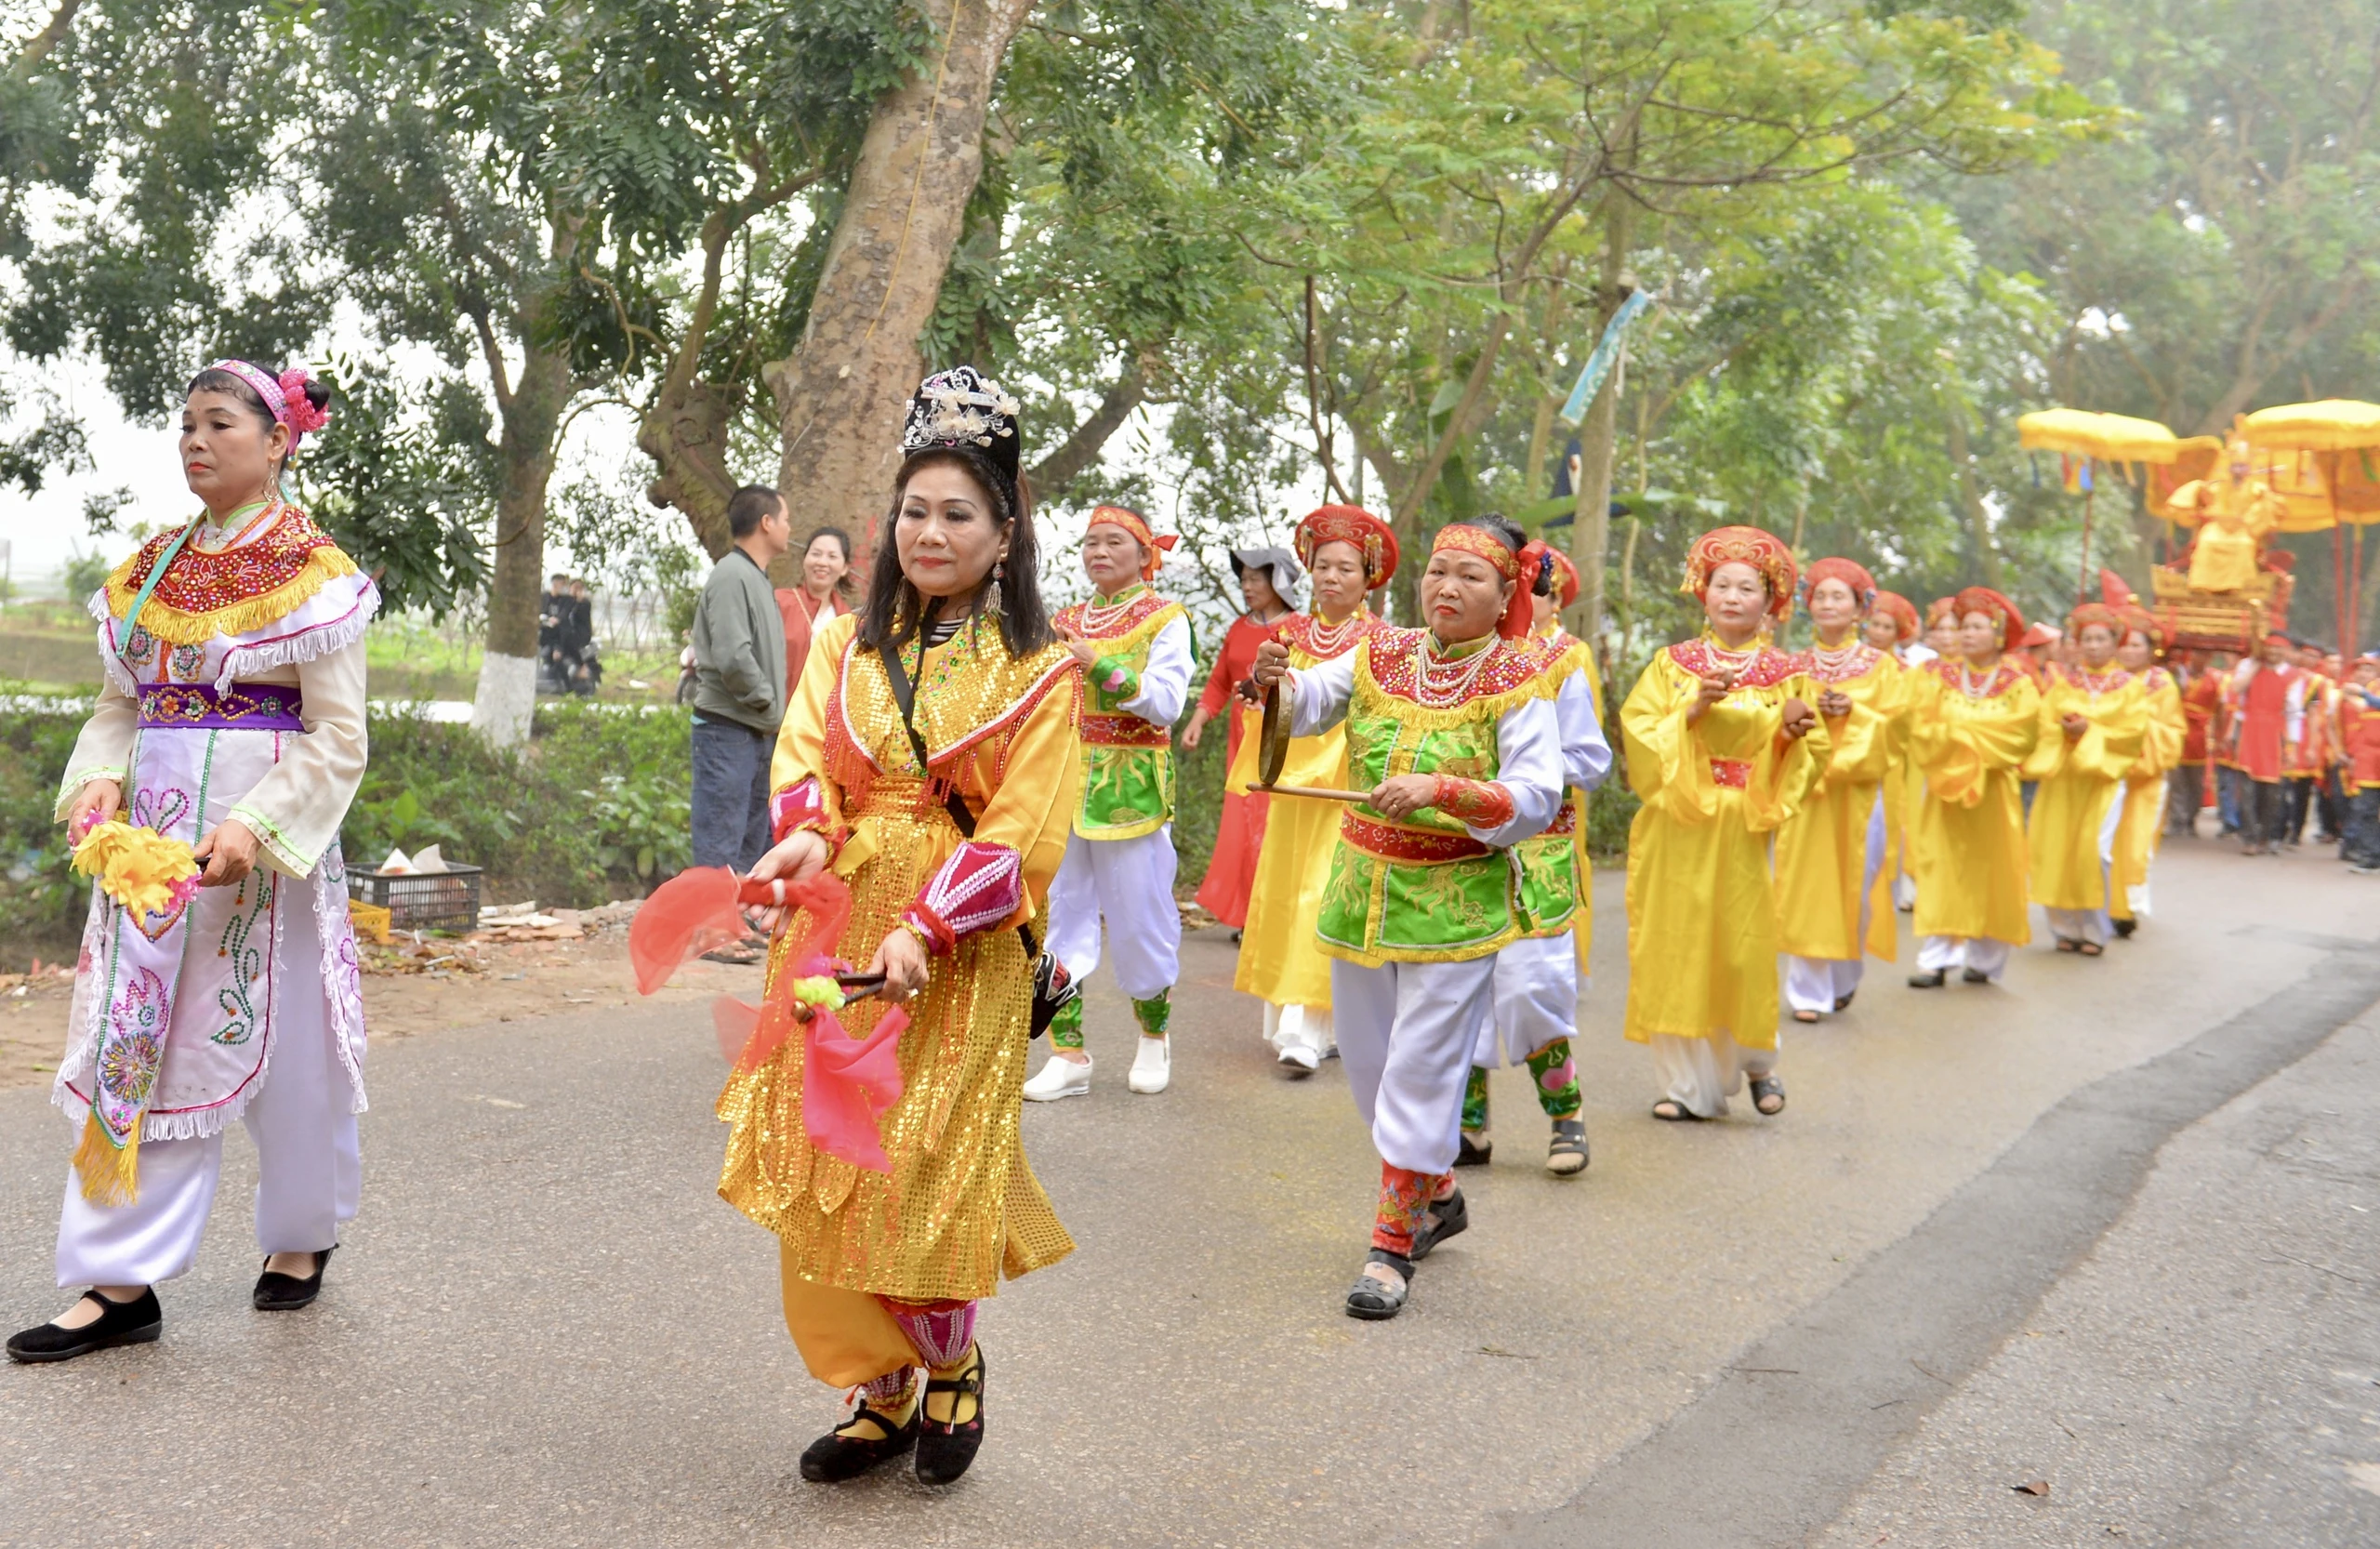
x: 1969, y: 738
x: 2079, y: 779
x: 2143, y: 823
x: 961, y: 1206
x: 1823, y: 851
x: 1567, y: 832
x: 1279, y: 960
x: 1701, y: 908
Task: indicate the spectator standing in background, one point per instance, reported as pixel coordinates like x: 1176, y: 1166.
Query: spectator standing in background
x: 823, y: 594
x: 1268, y: 579
x: 739, y: 684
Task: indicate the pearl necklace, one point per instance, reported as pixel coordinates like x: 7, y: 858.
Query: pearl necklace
x: 1442, y: 685
x: 1325, y: 641
x: 1832, y: 660
x: 1096, y: 620
x: 1969, y: 685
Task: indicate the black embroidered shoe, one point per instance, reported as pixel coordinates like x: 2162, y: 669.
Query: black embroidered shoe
x: 137, y: 1321
x: 838, y: 1455
x: 945, y: 1448
x: 279, y: 1293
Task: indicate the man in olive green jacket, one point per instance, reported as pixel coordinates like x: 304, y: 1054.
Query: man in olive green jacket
x: 739, y: 684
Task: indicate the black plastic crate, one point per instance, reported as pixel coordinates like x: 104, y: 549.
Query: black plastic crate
x: 448, y: 900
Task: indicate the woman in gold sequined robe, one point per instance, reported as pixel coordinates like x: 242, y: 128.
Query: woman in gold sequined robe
x: 881, y: 1271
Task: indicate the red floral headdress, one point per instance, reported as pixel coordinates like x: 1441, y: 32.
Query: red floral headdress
x: 2088, y: 614
x: 1351, y: 524
x: 1985, y: 599
x: 1849, y: 572
x: 1153, y: 546
x: 1565, y: 578
x: 1742, y: 546
x: 284, y: 397
x: 1903, y: 613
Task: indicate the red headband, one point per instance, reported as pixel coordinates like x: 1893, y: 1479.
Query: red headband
x: 1902, y: 611
x: 1153, y: 547
x: 1521, y: 568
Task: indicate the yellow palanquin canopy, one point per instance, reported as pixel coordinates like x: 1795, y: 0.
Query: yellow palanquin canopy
x: 2320, y: 459
x: 2108, y: 437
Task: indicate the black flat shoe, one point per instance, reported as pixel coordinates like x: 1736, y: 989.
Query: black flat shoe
x: 1974, y: 976
x: 137, y: 1321
x: 279, y: 1293
x: 1468, y: 1153
x: 1447, y: 1217
x: 1374, y: 1301
x: 946, y: 1450
x: 1842, y: 1002
x: 1926, y: 981
x: 2126, y: 927
x: 835, y: 1457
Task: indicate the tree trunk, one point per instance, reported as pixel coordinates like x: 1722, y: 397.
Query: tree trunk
x: 686, y: 435
x: 841, y: 396
x: 1986, y: 554
x: 532, y: 414
x: 1599, y: 437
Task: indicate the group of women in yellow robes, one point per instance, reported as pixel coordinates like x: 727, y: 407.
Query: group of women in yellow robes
x: 1783, y: 793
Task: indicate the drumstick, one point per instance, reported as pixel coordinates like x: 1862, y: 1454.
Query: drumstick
x: 1315, y: 792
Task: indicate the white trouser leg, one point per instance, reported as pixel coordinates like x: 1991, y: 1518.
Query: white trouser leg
x: 1305, y: 1027
x: 1074, y: 910
x: 1537, y: 996
x: 2080, y: 925
x: 309, y: 1170
x: 1847, y: 975
x: 1988, y: 957
x: 1941, y: 954
x: 1128, y: 883
x: 1273, y: 1025
x: 154, y: 1238
x: 1408, y: 1068
x: 1700, y: 1073
x: 1809, y: 984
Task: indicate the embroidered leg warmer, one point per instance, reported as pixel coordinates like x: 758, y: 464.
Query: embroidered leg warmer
x: 1474, y: 1101
x: 1557, y: 1080
x: 1154, y: 1013
x: 941, y: 1336
x: 1065, y: 1028
x: 1404, y: 1197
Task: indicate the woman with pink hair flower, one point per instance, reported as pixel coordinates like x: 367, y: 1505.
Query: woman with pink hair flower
x: 229, y: 735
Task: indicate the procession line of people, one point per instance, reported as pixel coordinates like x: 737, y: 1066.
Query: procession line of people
x: 995, y: 787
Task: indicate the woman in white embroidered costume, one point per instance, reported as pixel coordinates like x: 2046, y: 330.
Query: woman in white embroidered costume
x: 231, y: 719
x: 950, y: 858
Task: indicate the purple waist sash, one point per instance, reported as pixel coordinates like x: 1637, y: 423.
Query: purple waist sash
x: 241, y: 708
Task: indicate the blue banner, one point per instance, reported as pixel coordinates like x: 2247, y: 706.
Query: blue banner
x: 1607, y: 354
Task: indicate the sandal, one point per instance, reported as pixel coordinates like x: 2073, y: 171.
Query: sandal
x: 2089, y: 949
x: 1806, y: 1018
x: 1763, y: 1089
x: 1446, y: 1218
x: 1374, y: 1299
x: 1842, y: 1002
x: 1679, y: 1113
x: 840, y: 1455
x: 1472, y: 1153
x: 1565, y: 1154
x: 2066, y: 944
x: 945, y: 1448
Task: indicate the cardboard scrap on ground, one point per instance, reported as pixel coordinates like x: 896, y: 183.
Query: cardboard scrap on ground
x: 524, y: 922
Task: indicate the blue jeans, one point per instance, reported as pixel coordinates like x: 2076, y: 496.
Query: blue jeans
x: 731, y: 799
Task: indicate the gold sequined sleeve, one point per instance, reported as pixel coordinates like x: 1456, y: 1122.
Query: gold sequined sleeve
x: 1024, y: 788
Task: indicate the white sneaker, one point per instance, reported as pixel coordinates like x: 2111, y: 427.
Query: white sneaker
x: 1152, y: 1068
x: 1060, y: 1078
x: 1301, y: 1059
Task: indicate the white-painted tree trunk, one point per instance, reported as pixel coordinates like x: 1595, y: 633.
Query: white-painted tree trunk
x: 507, y: 698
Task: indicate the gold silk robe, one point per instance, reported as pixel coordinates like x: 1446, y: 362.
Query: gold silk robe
x: 1822, y: 850
x: 1279, y: 960
x: 2079, y: 779
x: 2142, y: 825
x: 1701, y: 907
x: 961, y: 1207
x: 1970, y: 738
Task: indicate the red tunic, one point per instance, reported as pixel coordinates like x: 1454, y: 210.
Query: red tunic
x: 2263, y: 745
x: 1231, y: 872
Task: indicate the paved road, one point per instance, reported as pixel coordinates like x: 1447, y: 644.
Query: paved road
x: 546, y: 1329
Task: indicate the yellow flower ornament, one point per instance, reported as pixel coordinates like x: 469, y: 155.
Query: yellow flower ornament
x: 145, y: 872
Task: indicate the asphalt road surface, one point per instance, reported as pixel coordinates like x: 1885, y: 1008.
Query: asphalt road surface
x: 2108, y: 1228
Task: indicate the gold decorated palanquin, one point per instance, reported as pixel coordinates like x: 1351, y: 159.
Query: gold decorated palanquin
x: 961, y: 1206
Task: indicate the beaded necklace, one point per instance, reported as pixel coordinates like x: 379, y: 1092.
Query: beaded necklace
x: 1329, y: 639
x: 1830, y: 661
x: 1443, y: 684
x: 1969, y: 685
x: 1097, y: 617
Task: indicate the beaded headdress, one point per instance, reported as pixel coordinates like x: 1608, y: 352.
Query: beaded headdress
x: 2089, y: 614
x: 1849, y: 572
x: 1903, y: 613
x: 1742, y: 546
x: 1351, y: 524
x: 284, y: 397
x: 961, y: 410
x: 1566, y: 577
x: 1985, y: 599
